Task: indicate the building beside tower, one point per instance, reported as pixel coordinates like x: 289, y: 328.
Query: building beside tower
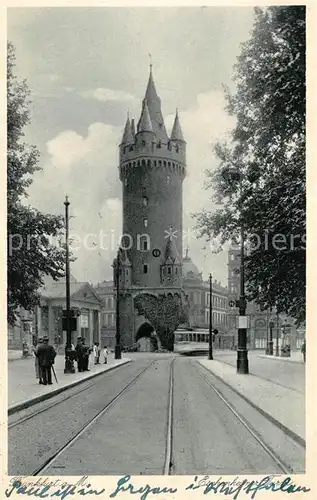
x: 152, y: 167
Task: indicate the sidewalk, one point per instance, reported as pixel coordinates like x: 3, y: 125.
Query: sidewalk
x: 296, y: 357
x: 24, y: 390
x: 284, y: 404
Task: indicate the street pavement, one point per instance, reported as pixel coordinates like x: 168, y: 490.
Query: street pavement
x: 23, y: 386
x: 131, y: 435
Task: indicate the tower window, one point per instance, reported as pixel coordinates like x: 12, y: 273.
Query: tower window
x: 169, y: 270
x: 125, y: 181
x: 145, y: 268
x: 158, y: 145
x: 145, y: 247
x: 145, y: 222
x: 145, y: 201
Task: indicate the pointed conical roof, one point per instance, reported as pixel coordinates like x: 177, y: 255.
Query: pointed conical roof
x: 127, y: 134
x: 171, y: 254
x: 177, y: 134
x: 133, y: 128
x: 145, y: 123
x: 123, y: 256
x: 154, y: 107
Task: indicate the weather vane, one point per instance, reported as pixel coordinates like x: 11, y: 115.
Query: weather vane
x: 150, y: 56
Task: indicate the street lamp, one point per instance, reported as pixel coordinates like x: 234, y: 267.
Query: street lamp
x: 210, y: 317
x: 277, y: 347
x: 242, y: 353
x: 118, y: 339
x: 69, y: 364
x: 270, y: 346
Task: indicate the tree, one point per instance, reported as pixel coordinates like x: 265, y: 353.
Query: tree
x: 30, y: 251
x: 260, y: 179
x: 165, y: 313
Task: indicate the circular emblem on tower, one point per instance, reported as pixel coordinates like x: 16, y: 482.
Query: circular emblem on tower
x: 156, y: 252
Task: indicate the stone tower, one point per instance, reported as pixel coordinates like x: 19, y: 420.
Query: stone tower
x: 152, y: 168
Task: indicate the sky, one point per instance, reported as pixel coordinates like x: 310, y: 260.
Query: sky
x: 86, y: 68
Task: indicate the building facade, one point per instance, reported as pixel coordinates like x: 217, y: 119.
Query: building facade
x: 47, y: 318
x: 284, y: 330
x: 152, y: 167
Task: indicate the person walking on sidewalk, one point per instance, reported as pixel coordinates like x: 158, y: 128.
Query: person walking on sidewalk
x: 96, y: 352
x: 303, y: 349
x: 46, y: 355
x: 38, y: 373
x: 105, y: 354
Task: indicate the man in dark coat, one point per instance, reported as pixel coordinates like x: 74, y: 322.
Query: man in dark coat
x: 46, y: 356
x: 86, y: 356
x: 80, y: 354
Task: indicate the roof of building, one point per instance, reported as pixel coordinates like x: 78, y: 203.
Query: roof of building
x: 145, y: 123
x: 154, y: 106
x: 171, y: 254
x: 127, y: 134
x: 55, y: 289
x: 190, y: 270
x: 177, y: 134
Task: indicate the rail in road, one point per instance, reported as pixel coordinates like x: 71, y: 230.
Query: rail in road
x: 258, y: 433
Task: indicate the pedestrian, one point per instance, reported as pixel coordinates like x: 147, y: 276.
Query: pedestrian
x: 38, y: 373
x: 303, y: 350
x: 86, y: 352
x: 95, y: 351
x: 99, y: 352
x: 105, y: 354
x: 46, y: 355
x: 80, y: 354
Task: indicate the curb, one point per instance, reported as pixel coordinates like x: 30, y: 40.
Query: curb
x: 298, y: 439
x: 277, y: 358
x: 43, y: 397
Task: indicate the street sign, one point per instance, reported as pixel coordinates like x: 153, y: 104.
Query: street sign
x: 156, y: 252
x: 242, y: 322
x: 232, y: 303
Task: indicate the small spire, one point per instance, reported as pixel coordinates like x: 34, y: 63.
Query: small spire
x: 177, y: 134
x: 127, y: 135
x: 151, y: 65
x: 133, y: 128
x: 186, y: 252
x: 145, y: 124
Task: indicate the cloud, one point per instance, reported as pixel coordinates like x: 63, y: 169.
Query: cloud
x: 102, y: 94
x: 85, y: 168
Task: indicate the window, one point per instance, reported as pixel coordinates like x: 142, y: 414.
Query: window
x: 145, y: 222
x: 145, y: 247
x: 125, y: 181
x: 158, y: 145
x: 145, y: 201
x: 145, y: 268
x: 169, y: 270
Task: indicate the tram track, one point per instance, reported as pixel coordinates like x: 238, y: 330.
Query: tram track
x: 167, y: 463
x: 49, y: 462
x: 285, y: 468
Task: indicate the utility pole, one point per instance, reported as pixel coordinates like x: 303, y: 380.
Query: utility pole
x: 118, y: 338
x: 69, y: 365
x: 242, y: 353
x: 210, y: 317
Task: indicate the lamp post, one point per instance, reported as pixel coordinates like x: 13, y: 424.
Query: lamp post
x: 118, y: 339
x: 270, y: 346
x: 277, y: 347
x: 69, y: 364
x: 210, y: 318
x: 242, y: 353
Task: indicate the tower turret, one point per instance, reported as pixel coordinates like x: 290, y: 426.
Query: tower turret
x: 177, y: 134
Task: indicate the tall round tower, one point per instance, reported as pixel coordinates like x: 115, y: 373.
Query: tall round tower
x: 152, y: 168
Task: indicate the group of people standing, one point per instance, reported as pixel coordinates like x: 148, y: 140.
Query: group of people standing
x: 45, y: 355
x: 83, y: 351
